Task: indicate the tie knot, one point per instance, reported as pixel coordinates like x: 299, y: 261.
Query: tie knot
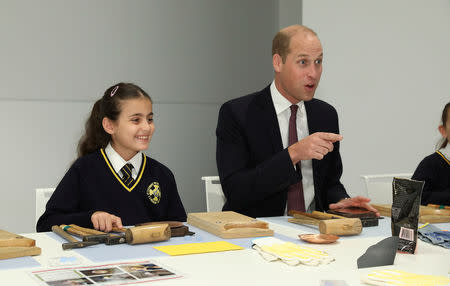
x: 294, y: 109
x: 126, y: 174
x: 126, y: 169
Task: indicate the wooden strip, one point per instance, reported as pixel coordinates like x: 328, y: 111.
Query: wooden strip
x: 434, y: 218
x: 11, y: 252
x: 253, y: 224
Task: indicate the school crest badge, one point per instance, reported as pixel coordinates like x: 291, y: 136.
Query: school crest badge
x: 154, y: 192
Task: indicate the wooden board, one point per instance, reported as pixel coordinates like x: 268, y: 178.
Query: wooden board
x: 12, y: 239
x: 12, y: 252
x: 427, y: 214
x: 229, y: 224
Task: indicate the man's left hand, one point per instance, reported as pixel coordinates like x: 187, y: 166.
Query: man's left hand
x: 358, y: 201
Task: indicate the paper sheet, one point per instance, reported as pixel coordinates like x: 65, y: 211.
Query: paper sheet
x: 195, y: 248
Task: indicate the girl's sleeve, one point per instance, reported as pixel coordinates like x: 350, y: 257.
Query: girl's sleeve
x: 63, y: 205
x: 175, y: 210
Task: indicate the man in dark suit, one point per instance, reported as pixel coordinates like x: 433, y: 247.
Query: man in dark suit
x: 278, y: 148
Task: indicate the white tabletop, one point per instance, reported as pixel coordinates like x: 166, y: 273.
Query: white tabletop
x: 246, y: 267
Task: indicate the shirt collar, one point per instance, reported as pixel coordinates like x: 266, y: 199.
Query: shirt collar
x: 280, y: 102
x: 118, y: 162
x: 446, y: 151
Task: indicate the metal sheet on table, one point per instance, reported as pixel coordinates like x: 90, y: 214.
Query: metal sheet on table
x: 102, y: 252
x: 18, y: 262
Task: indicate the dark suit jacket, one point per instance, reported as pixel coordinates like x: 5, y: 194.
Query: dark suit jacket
x: 255, y: 171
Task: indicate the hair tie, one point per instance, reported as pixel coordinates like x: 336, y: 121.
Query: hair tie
x: 114, y: 90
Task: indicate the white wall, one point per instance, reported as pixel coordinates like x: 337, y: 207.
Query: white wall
x: 58, y: 56
x: 387, y: 72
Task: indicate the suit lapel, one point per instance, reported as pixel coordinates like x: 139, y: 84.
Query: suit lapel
x: 269, y: 118
x: 310, y: 114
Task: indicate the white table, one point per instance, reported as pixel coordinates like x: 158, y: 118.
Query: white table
x: 246, y: 267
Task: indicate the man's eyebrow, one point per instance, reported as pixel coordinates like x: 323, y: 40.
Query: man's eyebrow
x: 307, y: 56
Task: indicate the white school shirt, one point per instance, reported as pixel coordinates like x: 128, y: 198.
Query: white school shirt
x: 118, y: 162
x: 283, y: 111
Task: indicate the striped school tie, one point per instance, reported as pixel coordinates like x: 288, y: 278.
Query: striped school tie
x: 126, y: 175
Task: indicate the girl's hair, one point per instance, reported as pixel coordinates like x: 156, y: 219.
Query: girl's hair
x: 445, y: 113
x: 108, y: 106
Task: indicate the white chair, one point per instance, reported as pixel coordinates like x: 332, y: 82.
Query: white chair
x: 42, y: 196
x: 215, y: 199
x: 379, y: 187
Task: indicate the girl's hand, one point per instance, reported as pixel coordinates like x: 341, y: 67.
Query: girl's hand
x: 104, y: 221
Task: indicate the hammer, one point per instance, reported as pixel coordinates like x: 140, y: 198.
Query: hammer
x: 94, y: 235
x: 73, y: 243
x: 85, y: 233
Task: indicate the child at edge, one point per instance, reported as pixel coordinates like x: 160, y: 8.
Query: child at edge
x: 435, y: 168
x: 113, y: 183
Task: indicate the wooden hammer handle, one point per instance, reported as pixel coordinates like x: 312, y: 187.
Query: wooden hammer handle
x: 438, y: 206
x: 321, y: 215
x: 74, y: 231
x: 56, y: 229
x: 86, y: 230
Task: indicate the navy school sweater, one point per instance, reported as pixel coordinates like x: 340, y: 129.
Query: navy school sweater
x: 91, y: 185
x: 435, y: 171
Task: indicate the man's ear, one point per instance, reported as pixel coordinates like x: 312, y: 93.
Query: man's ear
x: 108, y: 125
x: 277, y: 62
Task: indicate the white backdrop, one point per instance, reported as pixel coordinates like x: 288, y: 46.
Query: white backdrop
x: 387, y: 72
x: 58, y: 56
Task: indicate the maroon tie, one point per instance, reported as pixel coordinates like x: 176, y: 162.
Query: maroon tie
x: 295, y: 191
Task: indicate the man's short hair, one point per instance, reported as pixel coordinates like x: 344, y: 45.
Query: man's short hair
x: 282, y: 40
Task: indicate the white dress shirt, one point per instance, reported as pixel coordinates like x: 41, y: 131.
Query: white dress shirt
x: 118, y: 162
x: 283, y: 111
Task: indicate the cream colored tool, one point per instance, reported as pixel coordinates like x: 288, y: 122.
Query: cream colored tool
x: 147, y: 233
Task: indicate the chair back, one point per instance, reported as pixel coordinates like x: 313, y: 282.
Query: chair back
x: 379, y: 187
x: 42, y: 197
x: 215, y: 199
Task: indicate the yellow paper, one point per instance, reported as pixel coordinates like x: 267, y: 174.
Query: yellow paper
x: 195, y: 248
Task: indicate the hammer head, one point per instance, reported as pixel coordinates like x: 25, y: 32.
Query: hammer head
x: 100, y: 238
x: 113, y: 239
x: 80, y: 244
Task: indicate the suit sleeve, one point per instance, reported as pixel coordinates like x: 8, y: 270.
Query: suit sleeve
x: 245, y: 185
x: 63, y: 205
x: 432, y: 193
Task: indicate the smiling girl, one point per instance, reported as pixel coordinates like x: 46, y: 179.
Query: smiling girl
x: 113, y: 183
